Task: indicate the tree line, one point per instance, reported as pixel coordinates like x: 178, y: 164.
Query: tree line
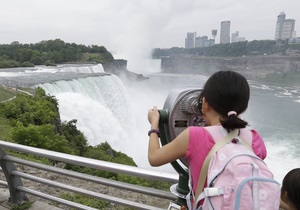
x: 256, y: 47
x: 51, y: 52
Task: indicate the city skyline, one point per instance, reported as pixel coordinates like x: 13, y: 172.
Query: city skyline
x: 284, y: 29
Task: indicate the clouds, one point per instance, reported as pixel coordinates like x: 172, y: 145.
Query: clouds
x: 130, y: 28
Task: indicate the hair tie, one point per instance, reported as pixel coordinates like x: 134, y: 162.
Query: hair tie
x: 231, y: 113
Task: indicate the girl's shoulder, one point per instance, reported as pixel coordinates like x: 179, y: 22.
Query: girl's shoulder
x: 200, y: 142
x: 203, y: 133
x: 217, y: 132
x: 196, y: 131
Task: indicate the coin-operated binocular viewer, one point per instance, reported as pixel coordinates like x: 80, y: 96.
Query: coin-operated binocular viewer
x: 181, y: 110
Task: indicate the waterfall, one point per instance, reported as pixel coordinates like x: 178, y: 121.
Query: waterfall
x: 100, y: 105
x: 96, y: 68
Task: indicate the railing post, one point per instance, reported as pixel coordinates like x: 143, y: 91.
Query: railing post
x: 13, y: 182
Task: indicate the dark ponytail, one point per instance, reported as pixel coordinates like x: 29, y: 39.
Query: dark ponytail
x: 228, y: 91
x: 232, y: 122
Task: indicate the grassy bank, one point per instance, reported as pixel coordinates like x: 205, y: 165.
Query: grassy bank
x: 6, y: 93
x: 5, y: 127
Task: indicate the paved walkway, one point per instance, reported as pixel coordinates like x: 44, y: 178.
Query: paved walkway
x: 37, y: 205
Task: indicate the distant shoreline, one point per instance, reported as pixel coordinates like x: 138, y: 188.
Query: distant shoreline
x: 275, y: 69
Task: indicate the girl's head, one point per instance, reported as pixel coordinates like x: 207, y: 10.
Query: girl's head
x: 227, y: 91
x: 290, y: 190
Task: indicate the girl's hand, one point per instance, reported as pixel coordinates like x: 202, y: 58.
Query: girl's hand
x: 153, y: 117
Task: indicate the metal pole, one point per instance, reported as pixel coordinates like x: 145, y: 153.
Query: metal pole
x: 13, y: 182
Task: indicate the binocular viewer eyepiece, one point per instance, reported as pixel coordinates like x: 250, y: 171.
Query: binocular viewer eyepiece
x: 182, y: 110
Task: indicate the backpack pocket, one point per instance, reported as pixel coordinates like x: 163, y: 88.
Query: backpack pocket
x: 265, y: 194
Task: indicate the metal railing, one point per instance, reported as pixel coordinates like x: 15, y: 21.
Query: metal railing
x: 17, y: 190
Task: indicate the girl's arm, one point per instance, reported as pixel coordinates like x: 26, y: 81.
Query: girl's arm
x: 176, y: 149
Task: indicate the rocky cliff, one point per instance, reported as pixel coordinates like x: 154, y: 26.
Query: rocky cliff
x: 253, y: 67
x: 119, y: 68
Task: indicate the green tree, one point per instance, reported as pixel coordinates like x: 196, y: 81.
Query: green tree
x: 23, y: 55
x: 36, y: 58
x: 27, y: 64
x: 37, y: 110
x: 9, y: 64
x: 42, y: 136
x: 76, y: 139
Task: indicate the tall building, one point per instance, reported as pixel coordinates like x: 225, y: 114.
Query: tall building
x: 225, y: 32
x: 204, y: 41
x: 284, y: 27
x: 214, y: 33
x: 190, y: 40
x: 236, y: 38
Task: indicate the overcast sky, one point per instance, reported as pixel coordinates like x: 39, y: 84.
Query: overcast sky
x: 133, y: 27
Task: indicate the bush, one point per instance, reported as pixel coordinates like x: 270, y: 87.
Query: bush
x: 76, y: 139
x: 42, y: 136
x: 37, y: 110
x: 49, y: 63
x: 9, y: 64
x: 27, y: 64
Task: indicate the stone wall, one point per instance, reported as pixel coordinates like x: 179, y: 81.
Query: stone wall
x: 251, y: 67
x: 116, y: 65
x: 119, y: 68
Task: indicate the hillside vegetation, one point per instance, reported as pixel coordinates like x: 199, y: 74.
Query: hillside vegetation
x: 51, y: 52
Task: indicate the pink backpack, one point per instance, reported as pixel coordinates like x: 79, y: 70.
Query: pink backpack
x: 236, y: 178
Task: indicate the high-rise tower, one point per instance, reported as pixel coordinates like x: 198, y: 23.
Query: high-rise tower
x: 190, y: 40
x: 284, y: 27
x: 225, y: 32
x: 214, y: 33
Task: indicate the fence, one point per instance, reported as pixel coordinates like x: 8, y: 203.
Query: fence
x: 15, y: 177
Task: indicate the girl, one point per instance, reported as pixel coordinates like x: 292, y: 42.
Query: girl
x: 290, y: 190
x: 224, y: 97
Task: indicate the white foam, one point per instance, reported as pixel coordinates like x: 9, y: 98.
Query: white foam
x: 41, y: 70
x: 281, y: 157
x: 259, y: 86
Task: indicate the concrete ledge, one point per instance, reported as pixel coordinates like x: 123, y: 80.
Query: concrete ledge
x: 37, y: 205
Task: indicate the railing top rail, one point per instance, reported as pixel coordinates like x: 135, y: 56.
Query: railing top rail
x: 92, y: 163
